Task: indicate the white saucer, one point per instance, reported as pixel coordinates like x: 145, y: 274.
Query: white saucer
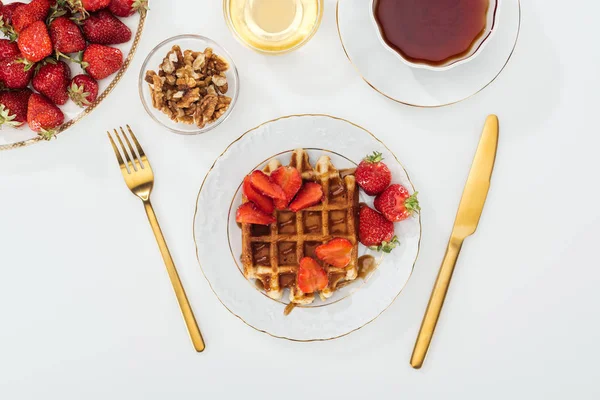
x: 388, y: 75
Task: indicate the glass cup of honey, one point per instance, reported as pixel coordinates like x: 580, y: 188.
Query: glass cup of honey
x: 273, y: 26
x: 435, y: 34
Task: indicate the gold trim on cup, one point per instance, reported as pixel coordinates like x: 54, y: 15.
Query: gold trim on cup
x: 337, y: 21
x: 100, y: 98
x: 196, y: 212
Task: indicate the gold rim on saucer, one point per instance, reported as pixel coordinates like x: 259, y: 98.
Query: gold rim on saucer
x: 337, y: 9
x: 196, y: 212
x: 101, y: 97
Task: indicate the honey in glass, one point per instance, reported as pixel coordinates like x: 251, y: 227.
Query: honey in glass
x: 274, y: 26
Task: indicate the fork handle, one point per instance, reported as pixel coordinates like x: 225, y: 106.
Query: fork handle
x: 436, y: 301
x: 184, y: 304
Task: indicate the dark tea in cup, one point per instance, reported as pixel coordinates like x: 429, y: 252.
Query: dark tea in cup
x: 433, y: 32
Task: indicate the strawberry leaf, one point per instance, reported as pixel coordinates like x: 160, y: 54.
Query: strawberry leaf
x: 47, y: 134
x: 6, y: 118
x: 141, y: 6
x: 387, y: 247
x: 8, y: 30
x: 79, y: 95
x: 412, y: 203
x: 376, y: 157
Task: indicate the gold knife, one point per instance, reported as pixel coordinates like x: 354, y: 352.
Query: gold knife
x: 467, y: 219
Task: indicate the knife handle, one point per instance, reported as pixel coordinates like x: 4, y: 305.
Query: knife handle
x: 436, y: 301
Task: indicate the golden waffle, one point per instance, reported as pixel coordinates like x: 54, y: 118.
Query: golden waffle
x: 271, y: 254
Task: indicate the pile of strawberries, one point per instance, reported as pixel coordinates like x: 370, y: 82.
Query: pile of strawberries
x: 283, y: 189
x: 41, y: 37
x: 394, y: 203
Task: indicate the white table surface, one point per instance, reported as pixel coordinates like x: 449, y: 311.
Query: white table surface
x: 87, y: 311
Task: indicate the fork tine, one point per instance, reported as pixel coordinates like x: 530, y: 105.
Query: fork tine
x: 137, y: 144
x: 133, y: 153
x: 117, y: 152
x: 124, y: 149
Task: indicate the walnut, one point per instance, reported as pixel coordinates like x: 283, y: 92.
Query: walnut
x: 171, y: 79
x: 190, y: 86
x: 187, y: 119
x: 150, y: 77
x: 189, y: 98
x: 219, y: 113
x: 224, y: 100
x: 208, y: 52
x: 199, y: 62
x: 221, y: 64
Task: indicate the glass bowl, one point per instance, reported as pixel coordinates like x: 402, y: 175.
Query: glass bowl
x: 154, y: 60
x: 302, y: 30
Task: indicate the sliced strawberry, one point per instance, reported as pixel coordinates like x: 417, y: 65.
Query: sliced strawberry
x: 290, y: 180
x: 280, y: 204
x: 263, y: 202
x: 265, y: 185
x: 311, y: 276
x: 337, y: 252
x: 249, y: 213
x: 309, y: 195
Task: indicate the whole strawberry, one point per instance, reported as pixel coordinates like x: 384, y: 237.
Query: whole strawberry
x: 101, y: 61
x: 374, y: 231
x: 8, y: 49
x: 13, y: 73
x: 7, y: 11
x: 66, y: 36
x: 52, y: 80
x: 27, y: 14
x: 13, y: 107
x: 43, y: 116
x: 34, y: 42
x: 126, y: 8
x: 372, y: 175
x: 396, y: 203
x: 83, y: 90
x: 104, y: 28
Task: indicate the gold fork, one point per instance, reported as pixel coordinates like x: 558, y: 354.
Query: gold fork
x: 140, y: 180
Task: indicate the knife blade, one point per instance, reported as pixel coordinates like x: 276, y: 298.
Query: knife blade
x: 478, y: 182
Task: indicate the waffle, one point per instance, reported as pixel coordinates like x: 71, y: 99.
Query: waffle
x: 271, y: 254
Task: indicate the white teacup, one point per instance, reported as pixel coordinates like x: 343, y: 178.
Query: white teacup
x: 476, y: 48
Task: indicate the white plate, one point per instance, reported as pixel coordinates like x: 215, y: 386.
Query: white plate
x: 218, y: 239
x: 11, y: 138
x: 385, y: 72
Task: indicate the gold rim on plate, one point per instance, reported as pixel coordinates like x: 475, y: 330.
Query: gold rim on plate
x: 337, y: 22
x: 100, y: 98
x: 196, y: 212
